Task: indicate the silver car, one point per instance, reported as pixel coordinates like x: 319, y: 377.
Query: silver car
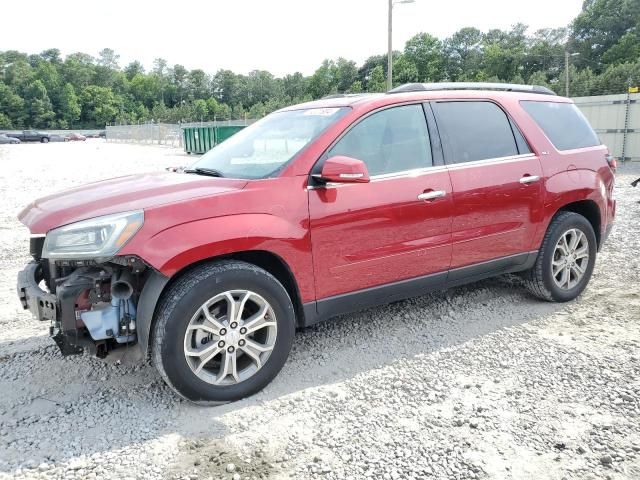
x: 6, y: 139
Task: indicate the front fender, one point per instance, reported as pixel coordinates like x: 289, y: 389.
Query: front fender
x: 178, y: 247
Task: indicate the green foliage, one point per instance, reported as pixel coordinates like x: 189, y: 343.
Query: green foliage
x: 376, y: 81
x: 627, y: 49
x: 99, y: 106
x: 426, y: 53
x: 38, y: 108
x: 69, y: 108
x: 600, y: 26
x: 47, y: 90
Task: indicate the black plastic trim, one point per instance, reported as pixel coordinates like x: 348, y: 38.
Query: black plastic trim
x: 153, y: 287
x: 326, y: 308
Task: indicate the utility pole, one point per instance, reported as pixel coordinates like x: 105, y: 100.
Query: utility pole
x: 390, y: 49
x: 566, y: 72
x: 390, y: 42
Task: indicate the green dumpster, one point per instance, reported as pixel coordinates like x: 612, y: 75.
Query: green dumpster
x: 225, y: 131
x: 201, y: 139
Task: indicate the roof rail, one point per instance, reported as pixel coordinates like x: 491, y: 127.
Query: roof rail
x: 345, y: 95
x: 507, y: 87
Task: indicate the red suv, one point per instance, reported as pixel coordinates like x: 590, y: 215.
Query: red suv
x: 316, y: 210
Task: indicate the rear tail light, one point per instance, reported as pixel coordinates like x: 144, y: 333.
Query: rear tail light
x: 613, y: 163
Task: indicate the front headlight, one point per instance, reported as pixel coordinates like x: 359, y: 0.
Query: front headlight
x: 98, y: 237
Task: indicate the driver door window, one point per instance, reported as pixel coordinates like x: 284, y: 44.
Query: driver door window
x: 390, y: 141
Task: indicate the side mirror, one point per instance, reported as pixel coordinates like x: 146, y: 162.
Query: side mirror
x: 341, y: 169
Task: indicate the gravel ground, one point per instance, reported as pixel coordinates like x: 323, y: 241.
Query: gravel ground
x: 478, y: 382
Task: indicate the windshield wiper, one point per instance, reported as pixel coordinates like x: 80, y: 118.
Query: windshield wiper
x: 211, y: 172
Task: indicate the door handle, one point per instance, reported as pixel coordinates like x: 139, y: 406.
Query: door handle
x: 432, y: 195
x: 529, y: 179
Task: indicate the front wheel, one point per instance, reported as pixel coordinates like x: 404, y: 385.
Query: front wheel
x: 44, y: 140
x: 565, y: 261
x: 223, y: 331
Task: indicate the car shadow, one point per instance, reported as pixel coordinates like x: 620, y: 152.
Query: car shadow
x: 89, y: 401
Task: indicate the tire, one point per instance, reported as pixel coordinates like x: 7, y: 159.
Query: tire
x: 540, y: 281
x: 44, y: 140
x: 183, y: 304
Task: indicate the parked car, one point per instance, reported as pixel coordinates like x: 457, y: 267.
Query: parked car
x: 58, y: 138
x: 32, y: 136
x: 317, y: 210
x: 76, y: 137
x: 4, y: 139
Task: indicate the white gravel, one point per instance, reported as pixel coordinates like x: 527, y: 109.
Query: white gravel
x: 477, y: 382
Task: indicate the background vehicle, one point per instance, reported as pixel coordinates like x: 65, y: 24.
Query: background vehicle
x: 4, y: 139
x: 31, y: 136
x: 76, y: 137
x: 58, y: 138
x: 317, y: 210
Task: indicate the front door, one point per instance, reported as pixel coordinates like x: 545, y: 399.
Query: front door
x: 496, y: 179
x: 396, y: 227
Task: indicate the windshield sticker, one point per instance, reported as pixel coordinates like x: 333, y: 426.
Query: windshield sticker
x: 321, y: 112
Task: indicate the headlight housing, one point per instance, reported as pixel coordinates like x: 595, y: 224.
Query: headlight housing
x: 98, y: 237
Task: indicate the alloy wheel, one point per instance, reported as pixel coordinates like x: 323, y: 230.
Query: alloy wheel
x: 570, y: 259
x: 230, y: 337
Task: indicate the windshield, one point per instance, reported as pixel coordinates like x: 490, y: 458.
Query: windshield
x: 265, y: 147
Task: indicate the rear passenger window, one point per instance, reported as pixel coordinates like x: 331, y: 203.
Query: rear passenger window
x: 389, y: 141
x: 563, y: 123
x: 473, y: 131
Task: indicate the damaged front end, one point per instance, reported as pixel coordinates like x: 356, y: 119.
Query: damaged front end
x: 88, y: 304
x: 79, y: 283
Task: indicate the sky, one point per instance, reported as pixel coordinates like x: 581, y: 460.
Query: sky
x: 281, y: 36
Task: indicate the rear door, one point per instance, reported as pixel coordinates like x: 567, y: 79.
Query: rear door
x: 396, y: 227
x: 496, y: 179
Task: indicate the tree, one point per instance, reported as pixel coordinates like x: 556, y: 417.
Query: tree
x: 200, y: 109
x: 372, y: 62
x: 134, y: 68
x: 198, y: 85
x: 346, y: 73
x: 504, y: 52
x: 108, y: 58
x: 39, y: 111
x: 78, y: 69
x: 426, y: 53
x: 295, y: 85
x: 99, y: 106
x: 377, y: 81
x: 69, y: 109
x: 627, y: 49
x: 545, y: 52
x: 225, y: 85
x: 463, y: 54
x: 600, y: 26
x: 11, y: 107
x: 404, y: 71
x: 324, y: 80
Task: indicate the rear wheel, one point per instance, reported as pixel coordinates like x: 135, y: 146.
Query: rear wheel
x: 565, y: 261
x: 44, y: 140
x: 223, y: 331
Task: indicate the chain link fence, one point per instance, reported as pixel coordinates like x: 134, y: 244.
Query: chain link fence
x: 168, y: 134
x: 150, y: 134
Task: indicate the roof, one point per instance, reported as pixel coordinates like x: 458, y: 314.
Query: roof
x: 434, y: 91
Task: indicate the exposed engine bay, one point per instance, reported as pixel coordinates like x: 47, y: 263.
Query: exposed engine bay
x: 89, y: 304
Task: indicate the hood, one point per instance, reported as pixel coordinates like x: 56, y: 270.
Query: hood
x: 133, y: 192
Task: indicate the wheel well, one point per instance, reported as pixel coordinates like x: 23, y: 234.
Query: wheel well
x: 268, y: 261
x: 277, y: 267
x: 589, y: 210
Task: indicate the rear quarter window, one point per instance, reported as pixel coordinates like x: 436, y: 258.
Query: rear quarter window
x: 563, y: 124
